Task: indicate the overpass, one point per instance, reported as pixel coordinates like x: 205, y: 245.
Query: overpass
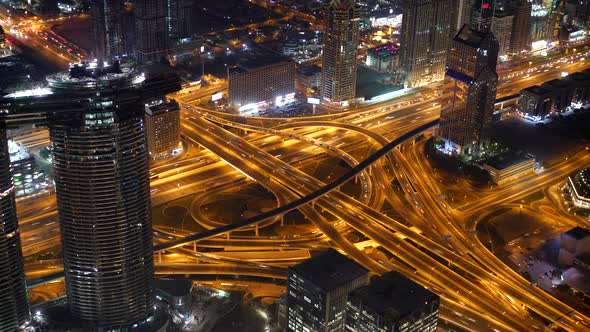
x: 508, y: 101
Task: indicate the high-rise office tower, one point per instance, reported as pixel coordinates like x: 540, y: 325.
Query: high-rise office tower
x: 461, y: 15
x: 178, y: 19
x: 339, y: 63
x: 151, y: 30
x: 95, y: 116
x: 108, y: 29
x: 469, y: 91
x: 392, y: 302
x: 14, y: 309
x: 424, y: 41
x: 318, y: 289
x: 482, y: 15
x: 520, y: 39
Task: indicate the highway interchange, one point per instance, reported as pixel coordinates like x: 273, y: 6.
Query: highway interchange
x: 426, y: 239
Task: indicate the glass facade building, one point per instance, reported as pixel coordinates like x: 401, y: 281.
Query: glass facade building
x: 95, y: 115
x: 14, y: 309
x: 151, y: 30
x: 318, y: 289
x: 392, y: 303
x: 424, y: 41
x: 469, y: 91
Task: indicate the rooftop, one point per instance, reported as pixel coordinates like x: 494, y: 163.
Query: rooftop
x: 174, y: 287
x: 578, y: 77
x: 384, y: 51
x: 535, y: 89
x: 393, y: 295
x: 309, y: 70
x: 581, y: 181
x: 578, y: 233
x: 556, y: 83
x: 470, y: 37
x: 329, y: 270
x: 507, y: 160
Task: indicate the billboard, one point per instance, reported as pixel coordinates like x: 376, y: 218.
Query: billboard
x: 216, y: 96
x: 313, y: 101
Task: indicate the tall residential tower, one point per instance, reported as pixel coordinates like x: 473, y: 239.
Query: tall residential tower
x: 341, y: 40
x: 95, y: 116
x: 14, y: 308
x: 426, y: 25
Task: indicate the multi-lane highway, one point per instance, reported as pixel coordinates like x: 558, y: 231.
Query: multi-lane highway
x: 420, y: 235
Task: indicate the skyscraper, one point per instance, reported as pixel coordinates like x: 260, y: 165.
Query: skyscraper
x: 162, y: 128
x: 318, y: 289
x: 108, y: 29
x: 461, y: 15
x: 424, y: 41
x: 14, y: 309
x: 151, y: 30
x: 341, y: 40
x: 469, y: 91
x: 392, y: 302
x: 95, y: 116
x: 482, y: 15
x: 178, y: 19
x: 520, y: 38
x: 502, y: 24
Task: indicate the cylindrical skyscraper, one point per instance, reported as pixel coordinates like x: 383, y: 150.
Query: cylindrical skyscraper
x: 95, y: 116
x: 102, y: 186
x: 14, y: 310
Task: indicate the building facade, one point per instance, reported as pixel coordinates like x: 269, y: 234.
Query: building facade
x: 461, y: 15
x: 261, y: 82
x: 502, y: 28
x: 14, y: 306
x: 384, y: 58
x: 392, y: 303
x: 520, y: 38
x: 317, y: 292
x: 469, y: 92
x: 151, y: 30
x: 339, y: 59
x: 162, y: 128
x: 424, y: 41
x: 578, y: 185
x: 178, y: 19
x: 482, y: 14
x: 534, y: 103
x: 508, y: 167
x: 95, y: 116
x: 108, y: 28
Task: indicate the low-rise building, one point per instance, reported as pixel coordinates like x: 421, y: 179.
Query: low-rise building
x: 578, y: 185
x: 162, y: 128
x: 509, y: 166
x: 392, y: 303
x: 574, y: 243
x: 561, y: 94
x: 534, y: 103
x: 308, y: 79
x: 258, y: 83
x: 580, y: 82
x: 384, y: 58
x: 175, y: 294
